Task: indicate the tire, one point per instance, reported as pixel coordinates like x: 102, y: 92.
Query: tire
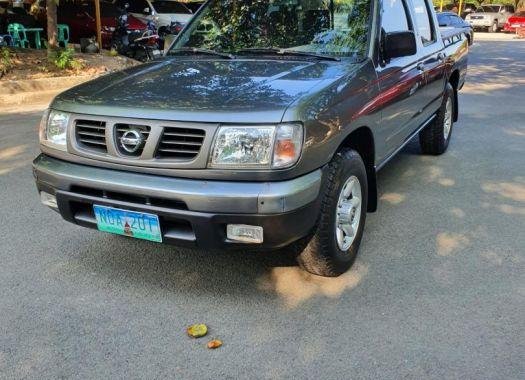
x: 435, y: 137
x: 321, y: 253
x: 494, y: 28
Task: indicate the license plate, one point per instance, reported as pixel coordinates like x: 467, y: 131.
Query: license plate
x: 515, y: 25
x: 138, y: 225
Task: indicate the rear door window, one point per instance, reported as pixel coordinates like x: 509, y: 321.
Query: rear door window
x: 423, y: 22
x: 394, y: 17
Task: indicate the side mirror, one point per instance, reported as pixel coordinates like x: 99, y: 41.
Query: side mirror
x: 399, y: 44
x: 146, y: 11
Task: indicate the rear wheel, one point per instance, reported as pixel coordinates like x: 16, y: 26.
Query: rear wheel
x: 435, y: 137
x: 332, y: 248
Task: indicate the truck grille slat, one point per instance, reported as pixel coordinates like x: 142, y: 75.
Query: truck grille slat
x: 182, y: 143
x: 90, y: 127
x: 94, y: 142
x: 183, y: 134
x: 91, y: 134
x: 178, y: 150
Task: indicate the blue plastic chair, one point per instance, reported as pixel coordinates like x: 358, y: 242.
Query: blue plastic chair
x: 18, y: 34
x: 63, y: 34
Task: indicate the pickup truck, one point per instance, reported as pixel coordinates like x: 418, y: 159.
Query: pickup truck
x: 262, y: 127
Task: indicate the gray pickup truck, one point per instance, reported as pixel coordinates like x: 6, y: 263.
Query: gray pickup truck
x: 262, y: 127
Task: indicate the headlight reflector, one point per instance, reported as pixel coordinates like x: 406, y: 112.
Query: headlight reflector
x: 265, y: 146
x: 53, y: 129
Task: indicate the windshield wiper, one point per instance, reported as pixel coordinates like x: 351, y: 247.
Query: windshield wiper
x: 195, y: 50
x: 284, y: 52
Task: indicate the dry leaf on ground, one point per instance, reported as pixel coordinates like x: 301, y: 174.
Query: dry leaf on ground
x: 197, y: 331
x: 213, y: 344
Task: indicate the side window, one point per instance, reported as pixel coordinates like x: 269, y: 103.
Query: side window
x: 394, y: 17
x: 444, y: 20
x: 423, y: 21
x: 456, y: 20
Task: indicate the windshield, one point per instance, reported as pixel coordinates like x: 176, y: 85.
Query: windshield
x: 167, y: 6
x: 329, y: 27
x: 488, y: 8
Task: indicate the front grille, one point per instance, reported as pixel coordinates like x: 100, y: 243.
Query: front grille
x: 180, y: 143
x: 133, y: 150
x: 142, y: 142
x: 91, y: 134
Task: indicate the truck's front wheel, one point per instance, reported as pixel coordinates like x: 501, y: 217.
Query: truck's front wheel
x: 333, y: 247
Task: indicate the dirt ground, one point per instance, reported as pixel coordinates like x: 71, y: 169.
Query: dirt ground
x: 33, y: 64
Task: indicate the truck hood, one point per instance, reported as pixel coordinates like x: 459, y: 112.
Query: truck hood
x: 237, y: 90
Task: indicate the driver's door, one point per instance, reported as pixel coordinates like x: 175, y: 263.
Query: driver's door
x: 401, y: 81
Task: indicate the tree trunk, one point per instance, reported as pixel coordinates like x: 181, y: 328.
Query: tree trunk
x: 52, y: 33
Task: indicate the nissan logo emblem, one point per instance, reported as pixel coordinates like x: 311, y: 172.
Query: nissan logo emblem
x: 131, y: 141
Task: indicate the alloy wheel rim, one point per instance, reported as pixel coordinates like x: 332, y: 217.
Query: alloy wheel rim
x: 348, y: 213
x: 447, y: 124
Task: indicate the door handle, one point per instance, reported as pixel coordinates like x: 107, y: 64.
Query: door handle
x: 420, y: 66
x: 441, y: 57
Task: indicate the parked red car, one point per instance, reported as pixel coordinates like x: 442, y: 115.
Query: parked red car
x: 516, y: 21
x: 80, y: 16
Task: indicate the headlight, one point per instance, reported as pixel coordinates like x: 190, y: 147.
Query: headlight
x: 53, y: 129
x: 265, y: 147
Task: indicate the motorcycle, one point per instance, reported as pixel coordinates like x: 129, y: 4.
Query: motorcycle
x: 140, y: 45
x: 171, y: 30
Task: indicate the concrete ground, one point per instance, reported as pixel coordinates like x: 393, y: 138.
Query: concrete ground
x: 437, y: 291
x: 485, y: 36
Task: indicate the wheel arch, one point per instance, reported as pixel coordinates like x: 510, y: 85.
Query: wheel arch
x: 362, y: 141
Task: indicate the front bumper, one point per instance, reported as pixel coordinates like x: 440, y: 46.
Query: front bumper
x: 191, y: 212
x: 481, y: 23
x: 513, y: 27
